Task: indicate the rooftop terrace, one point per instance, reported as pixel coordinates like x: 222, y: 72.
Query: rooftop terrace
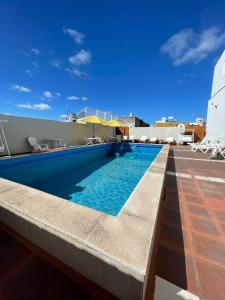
x: 191, y: 251
x: 192, y: 240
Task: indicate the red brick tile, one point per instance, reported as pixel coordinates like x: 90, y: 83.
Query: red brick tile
x: 173, y: 218
x: 209, y: 249
x: 212, y: 194
x: 64, y: 288
x: 206, y: 185
x: 191, y: 191
x: 204, y: 226
x: 220, y: 186
x: 198, y: 211
x: 10, y: 258
x: 222, y: 226
x: 212, y: 280
x: 1, y: 297
x: 5, y: 240
x: 193, y: 199
x: 24, y: 284
x: 220, y: 215
x: 172, y: 195
x: 188, y: 186
x: 176, y: 268
x: 215, y: 204
x: 171, y: 188
x: 173, y: 205
x: 186, y: 182
x: 176, y: 237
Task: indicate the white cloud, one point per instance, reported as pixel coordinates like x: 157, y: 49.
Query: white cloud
x: 35, y: 51
x: 81, y: 58
x: 84, y: 98
x: 20, y: 88
x: 35, y: 64
x: 56, y: 63
x: 28, y: 72
x: 77, y: 36
x: 40, y: 106
x: 63, y: 116
x: 49, y: 95
x: 188, y: 46
x: 78, y: 73
x: 25, y: 53
x: 72, y: 98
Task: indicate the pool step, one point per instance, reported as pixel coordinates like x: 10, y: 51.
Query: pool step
x: 129, y: 155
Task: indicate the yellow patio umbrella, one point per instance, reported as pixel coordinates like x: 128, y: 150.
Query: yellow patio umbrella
x: 93, y: 120
x: 115, y: 123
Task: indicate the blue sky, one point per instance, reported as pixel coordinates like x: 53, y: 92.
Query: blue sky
x: 152, y: 58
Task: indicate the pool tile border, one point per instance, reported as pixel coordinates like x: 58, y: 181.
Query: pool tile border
x: 110, y: 251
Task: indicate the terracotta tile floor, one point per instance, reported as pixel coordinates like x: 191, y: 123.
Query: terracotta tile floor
x: 26, y: 276
x: 192, y: 238
x: 191, y: 250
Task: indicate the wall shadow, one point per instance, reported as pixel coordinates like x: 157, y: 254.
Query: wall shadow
x: 171, y: 263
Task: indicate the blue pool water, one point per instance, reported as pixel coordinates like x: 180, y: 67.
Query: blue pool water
x: 101, y: 177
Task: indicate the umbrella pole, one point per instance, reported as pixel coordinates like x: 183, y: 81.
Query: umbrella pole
x: 93, y: 130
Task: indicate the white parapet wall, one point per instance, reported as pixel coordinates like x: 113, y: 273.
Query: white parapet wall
x: 18, y: 129
x: 216, y: 106
x: 160, y: 133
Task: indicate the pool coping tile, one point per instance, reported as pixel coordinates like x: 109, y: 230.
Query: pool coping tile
x: 71, y: 232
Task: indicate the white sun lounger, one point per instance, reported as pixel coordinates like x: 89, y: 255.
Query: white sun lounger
x: 153, y: 140
x: 217, y: 150
x: 35, y: 146
x: 132, y: 138
x: 100, y: 139
x: 170, y: 139
x: 194, y: 146
x: 204, y: 145
x: 143, y: 139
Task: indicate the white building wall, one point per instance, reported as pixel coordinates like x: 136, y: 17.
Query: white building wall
x: 18, y: 129
x: 160, y: 133
x: 219, y: 75
x: 216, y: 105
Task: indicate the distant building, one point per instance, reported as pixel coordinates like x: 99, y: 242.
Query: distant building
x: 216, y: 105
x: 169, y: 119
x: 133, y: 121
x: 198, y: 122
x: 171, y: 122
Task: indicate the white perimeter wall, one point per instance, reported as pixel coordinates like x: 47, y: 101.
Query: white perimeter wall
x: 216, y: 106
x: 18, y: 129
x: 160, y: 133
x: 216, y: 117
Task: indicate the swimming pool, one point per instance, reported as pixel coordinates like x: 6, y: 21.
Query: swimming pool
x: 101, y: 177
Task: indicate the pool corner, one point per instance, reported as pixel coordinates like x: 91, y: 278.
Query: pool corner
x: 110, y: 251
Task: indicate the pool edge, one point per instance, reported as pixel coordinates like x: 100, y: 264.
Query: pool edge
x: 90, y: 243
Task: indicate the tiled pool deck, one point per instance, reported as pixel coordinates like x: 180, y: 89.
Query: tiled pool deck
x: 192, y: 240
x: 191, y: 248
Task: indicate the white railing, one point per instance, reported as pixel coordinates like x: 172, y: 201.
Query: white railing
x: 88, y: 111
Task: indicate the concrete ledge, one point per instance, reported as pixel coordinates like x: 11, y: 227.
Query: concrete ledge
x: 114, y: 252
x: 165, y: 290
